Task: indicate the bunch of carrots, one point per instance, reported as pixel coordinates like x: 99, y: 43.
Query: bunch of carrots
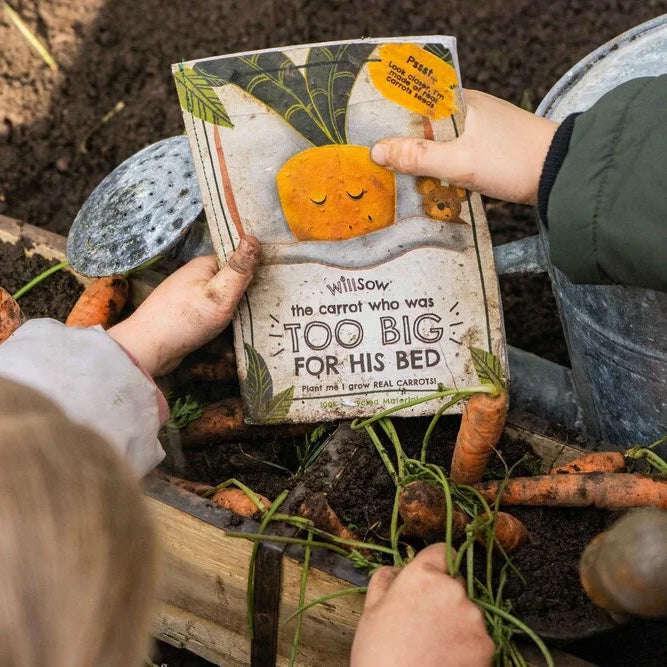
x: 599, y: 479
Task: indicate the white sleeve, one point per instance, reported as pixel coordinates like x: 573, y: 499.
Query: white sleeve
x: 91, y: 378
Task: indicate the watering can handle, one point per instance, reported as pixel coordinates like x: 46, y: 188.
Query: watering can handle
x: 527, y: 255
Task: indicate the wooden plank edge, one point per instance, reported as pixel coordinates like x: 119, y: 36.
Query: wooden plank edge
x: 209, y: 640
x: 203, y: 595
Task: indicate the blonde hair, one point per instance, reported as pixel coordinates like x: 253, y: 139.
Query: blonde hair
x: 78, y: 549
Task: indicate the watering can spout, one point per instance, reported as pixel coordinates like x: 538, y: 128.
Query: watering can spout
x: 544, y: 388
x: 527, y: 255
x: 538, y: 385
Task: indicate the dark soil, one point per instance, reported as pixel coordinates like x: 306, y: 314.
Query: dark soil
x: 165, y: 655
x: 53, y: 297
x: 254, y: 464
x: 552, y: 600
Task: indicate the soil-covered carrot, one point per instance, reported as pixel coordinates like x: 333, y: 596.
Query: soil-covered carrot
x: 101, y: 303
x: 423, y: 508
x: 10, y: 315
x: 625, y: 568
x: 223, y: 422
x: 200, y: 488
x: 509, y: 531
x: 612, y: 491
x: 221, y: 370
x: 482, y: 425
x: 316, y: 508
x: 219, y: 418
x: 595, y: 462
x: 237, y: 501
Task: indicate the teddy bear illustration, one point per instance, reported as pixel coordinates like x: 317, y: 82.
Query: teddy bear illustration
x: 441, y: 202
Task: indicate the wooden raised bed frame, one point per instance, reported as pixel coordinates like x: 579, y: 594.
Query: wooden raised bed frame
x: 202, y: 601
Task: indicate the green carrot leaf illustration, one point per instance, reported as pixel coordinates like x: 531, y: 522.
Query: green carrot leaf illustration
x: 440, y: 51
x: 331, y: 72
x: 277, y: 408
x: 258, y: 385
x: 196, y: 96
x: 488, y: 367
x: 262, y: 407
x: 275, y: 80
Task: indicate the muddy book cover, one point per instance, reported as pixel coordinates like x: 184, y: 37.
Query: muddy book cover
x: 373, y: 286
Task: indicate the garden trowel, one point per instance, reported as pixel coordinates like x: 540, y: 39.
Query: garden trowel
x: 149, y: 205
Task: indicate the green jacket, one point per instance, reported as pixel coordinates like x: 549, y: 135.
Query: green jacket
x: 603, y: 191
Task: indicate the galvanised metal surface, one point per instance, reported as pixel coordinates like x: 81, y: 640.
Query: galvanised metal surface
x: 616, y: 336
x: 140, y: 210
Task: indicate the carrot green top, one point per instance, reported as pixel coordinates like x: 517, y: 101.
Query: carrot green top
x: 312, y: 97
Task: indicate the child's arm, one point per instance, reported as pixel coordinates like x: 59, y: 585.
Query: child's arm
x: 102, y: 380
x: 599, y: 181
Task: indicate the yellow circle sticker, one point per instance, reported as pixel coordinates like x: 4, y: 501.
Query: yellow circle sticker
x: 416, y: 79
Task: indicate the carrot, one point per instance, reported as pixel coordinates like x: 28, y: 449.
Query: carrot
x: 193, y: 487
x: 508, y: 531
x: 221, y: 370
x: 624, y: 569
x: 238, y: 502
x: 316, y: 508
x: 223, y: 422
x: 482, y: 425
x: 612, y: 491
x: 220, y: 418
x: 595, y: 462
x: 10, y: 315
x: 100, y: 303
x: 423, y: 509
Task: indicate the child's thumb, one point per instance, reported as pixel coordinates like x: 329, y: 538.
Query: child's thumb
x: 419, y: 157
x: 228, y: 285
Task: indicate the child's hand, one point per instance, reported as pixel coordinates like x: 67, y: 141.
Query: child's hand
x: 191, y: 307
x: 420, y: 616
x: 500, y: 153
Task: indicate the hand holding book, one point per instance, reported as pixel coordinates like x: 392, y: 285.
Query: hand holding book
x: 190, y: 308
x: 500, y: 153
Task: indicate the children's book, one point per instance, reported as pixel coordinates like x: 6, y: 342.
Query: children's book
x: 373, y: 285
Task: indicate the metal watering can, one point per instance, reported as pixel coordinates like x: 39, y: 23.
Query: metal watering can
x: 616, y: 336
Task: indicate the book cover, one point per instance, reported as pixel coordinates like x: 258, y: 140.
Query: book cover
x: 373, y: 285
